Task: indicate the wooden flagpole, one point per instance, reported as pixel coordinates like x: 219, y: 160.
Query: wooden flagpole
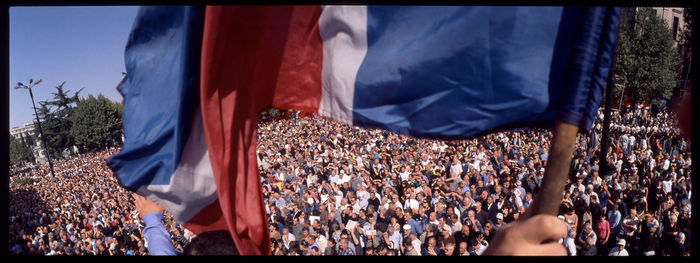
x: 549, y: 197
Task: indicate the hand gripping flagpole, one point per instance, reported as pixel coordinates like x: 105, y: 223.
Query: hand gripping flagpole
x: 549, y: 197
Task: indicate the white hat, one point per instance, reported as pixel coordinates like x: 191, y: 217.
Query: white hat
x: 406, y: 226
x: 621, y: 242
x: 310, y: 200
x: 499, y: 216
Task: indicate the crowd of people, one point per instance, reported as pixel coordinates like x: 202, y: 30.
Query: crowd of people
x: 333, y: 189
x: 82, y: 210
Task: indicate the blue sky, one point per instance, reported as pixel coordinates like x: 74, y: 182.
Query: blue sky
x: 83, y: 46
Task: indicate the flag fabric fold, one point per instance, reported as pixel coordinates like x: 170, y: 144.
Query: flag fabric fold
x: 198, y: 77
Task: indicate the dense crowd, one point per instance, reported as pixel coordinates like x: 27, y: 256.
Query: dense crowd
x: 333, y: 189
x: 81, y: 211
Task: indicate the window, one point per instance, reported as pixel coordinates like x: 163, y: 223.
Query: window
x: 675, y: 27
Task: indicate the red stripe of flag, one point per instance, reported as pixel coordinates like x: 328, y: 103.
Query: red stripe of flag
x: 252, y: 58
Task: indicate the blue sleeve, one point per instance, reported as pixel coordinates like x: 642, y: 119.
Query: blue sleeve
x: 159, y: 243
x: 419, y: 228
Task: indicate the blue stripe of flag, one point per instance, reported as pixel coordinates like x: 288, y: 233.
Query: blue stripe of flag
x: 455, y: 72
x: 161, y: 93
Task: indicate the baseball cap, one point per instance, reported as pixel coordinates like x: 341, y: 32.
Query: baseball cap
x: 499, y: 216
x: 406, y: 226
x: 621, y: 242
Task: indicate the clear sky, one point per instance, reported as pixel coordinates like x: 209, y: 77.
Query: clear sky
x: 83, y: 46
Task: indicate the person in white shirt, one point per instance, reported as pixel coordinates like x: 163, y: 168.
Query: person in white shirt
x: 595, y: 178
x: 393, y: 238
x: 404, y: 173
x: 631, y: 223
x: 415, y: 241
x: 321, y: 240
x: 456, y: 167
x: 287, y: 237
x: 344, y: 177
x: 569, y: 243
x: 335, y: 177
x: 619, y: 250
x: 667, y: 184
x: 359, y: 161
x: 479, y: 247
x: 411, y: 202
x: 632, y: 142
x: 666, y: 164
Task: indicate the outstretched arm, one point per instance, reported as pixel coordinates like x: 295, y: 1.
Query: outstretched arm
x: 159, y: 242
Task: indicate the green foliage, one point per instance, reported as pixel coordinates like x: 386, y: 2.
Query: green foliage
x: 19, y: 151
x: 647, y: 62
x: 27, y: 141
x: 24, y: 181
x: 96, y: 123
x: 55, y: 120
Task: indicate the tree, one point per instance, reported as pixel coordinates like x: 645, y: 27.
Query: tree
x: 19, y: 151
x: 56, y: 116
x: 96, y: 123
x: 647, y: 63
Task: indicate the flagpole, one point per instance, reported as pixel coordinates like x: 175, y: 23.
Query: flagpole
x: 549, y: 197
x: 605, y: 140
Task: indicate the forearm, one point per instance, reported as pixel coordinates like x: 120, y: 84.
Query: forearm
x: 159, y: 243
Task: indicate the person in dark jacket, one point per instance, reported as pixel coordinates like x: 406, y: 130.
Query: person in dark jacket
x: 589, y: 248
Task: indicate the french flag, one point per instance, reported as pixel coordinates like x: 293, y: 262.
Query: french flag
x: 197, y: 78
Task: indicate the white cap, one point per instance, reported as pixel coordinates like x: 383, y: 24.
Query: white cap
x: 310, y: 200
x: 499, y: 216
x: 406, y: 226
x: 621, y: 242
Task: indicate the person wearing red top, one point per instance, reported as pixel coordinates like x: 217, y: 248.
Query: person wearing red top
x: 602, y: 230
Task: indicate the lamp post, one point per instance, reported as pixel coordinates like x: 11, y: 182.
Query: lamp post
x: 38, y: 122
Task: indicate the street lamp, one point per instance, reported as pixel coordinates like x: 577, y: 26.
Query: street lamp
x: 41, y: 133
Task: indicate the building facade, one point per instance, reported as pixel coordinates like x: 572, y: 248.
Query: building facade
x: 675, y: 20
x: 27, y: 131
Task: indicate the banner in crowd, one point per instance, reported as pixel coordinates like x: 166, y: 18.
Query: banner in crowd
x: 197, y: 78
